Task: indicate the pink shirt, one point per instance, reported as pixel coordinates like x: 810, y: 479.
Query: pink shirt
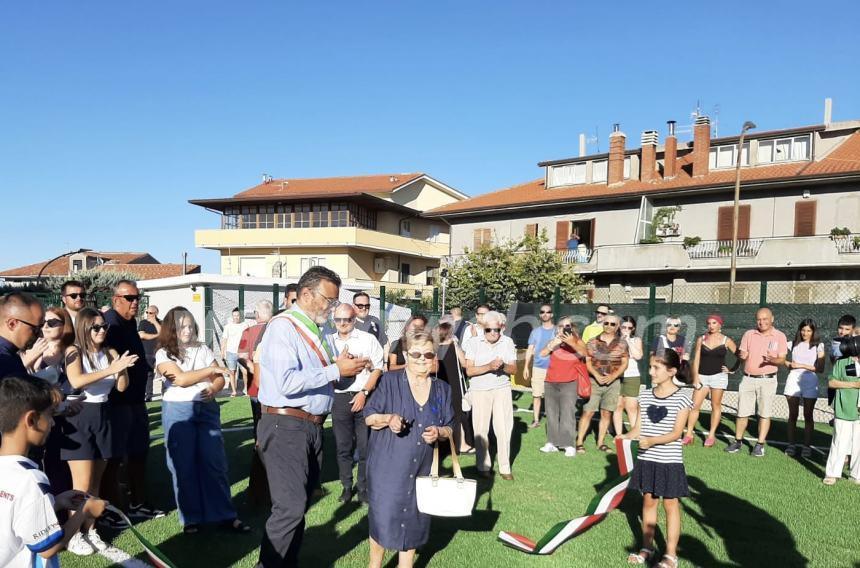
x: 756, y: 345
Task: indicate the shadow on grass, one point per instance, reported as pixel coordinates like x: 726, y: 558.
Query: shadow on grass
x: 751, y: 536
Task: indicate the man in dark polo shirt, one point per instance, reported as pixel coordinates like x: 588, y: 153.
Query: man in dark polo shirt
x: 148, y: 330
x: 21, y: 320
x: 128, y: 413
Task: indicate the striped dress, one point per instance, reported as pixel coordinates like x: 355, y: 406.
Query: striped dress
x: 659, y: 470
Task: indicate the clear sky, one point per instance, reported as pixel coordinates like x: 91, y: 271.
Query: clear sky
x: 113, y: 114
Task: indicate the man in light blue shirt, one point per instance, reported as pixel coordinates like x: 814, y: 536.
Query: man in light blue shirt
x: 538, y: 339
x: 298, y: 369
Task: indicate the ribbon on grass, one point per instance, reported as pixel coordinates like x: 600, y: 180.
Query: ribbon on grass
x: 602, y: 504
x: 158, y: 559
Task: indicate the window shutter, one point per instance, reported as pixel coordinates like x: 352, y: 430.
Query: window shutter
x: 804, y: 218
x: 532, y: 230
x: 562, y: 233
x: 476, y: 238
x: 724, y: 223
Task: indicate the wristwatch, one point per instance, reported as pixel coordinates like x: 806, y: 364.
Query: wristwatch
x: 366, y: 392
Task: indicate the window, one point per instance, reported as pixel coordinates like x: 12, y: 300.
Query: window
x: 249, y: 217
x: 433, y: 233
x: 784, y: 149
x: 569, y: 174
x: 481, y: 238
x: 726, y: 156
x: 302, y: 216
x: 405, y: 228
x: 77, y: 265
x: 362, y: 217
x: 725, y: 217
x: 804, y: 218
x: 432, y: 276
x: 339, y: 215
x: 405, y: 271
x: 284, y: 218
x: 308, y: 261
x: 230, y: 218
x: 266, y: 219
x: 531, y: 230
x: 598, y: 171
x: 320, y: 215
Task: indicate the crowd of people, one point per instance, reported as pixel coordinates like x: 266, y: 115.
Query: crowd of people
x: 74, y: 382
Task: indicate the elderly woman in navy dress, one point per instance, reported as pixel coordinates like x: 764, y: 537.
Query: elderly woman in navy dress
x: 408, y: 412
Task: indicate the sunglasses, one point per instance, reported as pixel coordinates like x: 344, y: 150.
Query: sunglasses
x: 610, y: 323
x: 76, y: 295
x: 53, y: 323
x: 546, y: 311
x: 673, y: 325
x: 99, y: 328
x: 344, y: 320
x: 602, y: 313
x: 492, y: 330
x: 427, y: 355
x: 36, y: 328
x: 130, y: 298
x: 362, y: 306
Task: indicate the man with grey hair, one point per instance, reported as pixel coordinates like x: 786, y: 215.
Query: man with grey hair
x: 251, y: 337
x: 491, y: 359
x: 350, y: 396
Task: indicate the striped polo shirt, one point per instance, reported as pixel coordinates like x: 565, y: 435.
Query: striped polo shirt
x: 658, y: 417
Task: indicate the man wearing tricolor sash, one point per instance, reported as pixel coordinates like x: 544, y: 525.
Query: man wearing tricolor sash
x: 298, y: 370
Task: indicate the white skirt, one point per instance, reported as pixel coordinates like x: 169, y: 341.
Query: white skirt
x: 801, y: 383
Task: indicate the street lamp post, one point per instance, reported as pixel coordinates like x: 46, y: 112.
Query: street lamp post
x: 733, y: 270
x: 44, y: 266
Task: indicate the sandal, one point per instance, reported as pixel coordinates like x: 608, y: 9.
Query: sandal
x: 604, y: 448
x: 829, y: 481
x: 688, y: 439
x: 580, y: 449
x: 236, y: 526
x: 191, y: 529
x: 710, y: 441
x: 641, y: 557
x: 668, y: 561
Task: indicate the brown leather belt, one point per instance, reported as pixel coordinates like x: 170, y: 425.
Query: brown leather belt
x: 294, y: 412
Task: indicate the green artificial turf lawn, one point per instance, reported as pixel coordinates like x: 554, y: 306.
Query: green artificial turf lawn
x: 743, y: 512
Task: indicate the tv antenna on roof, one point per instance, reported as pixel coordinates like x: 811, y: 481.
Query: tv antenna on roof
x: 594, y: 139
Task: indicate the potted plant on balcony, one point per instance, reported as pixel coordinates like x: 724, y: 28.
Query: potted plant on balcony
x: 664, y: 221
x: 690, y: 242
x: 724, y: 249
x: 855, y: 243
x: 837, y: 233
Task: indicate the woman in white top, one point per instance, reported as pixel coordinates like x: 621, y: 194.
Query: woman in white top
x: 95, y: 370
x: 629, y: 398
x: 192, y: 425
x: 807, y: 359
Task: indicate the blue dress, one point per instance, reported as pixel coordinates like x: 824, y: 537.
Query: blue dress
x: 394, y: 461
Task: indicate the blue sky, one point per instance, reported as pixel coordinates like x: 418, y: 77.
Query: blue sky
x: 113, y: 114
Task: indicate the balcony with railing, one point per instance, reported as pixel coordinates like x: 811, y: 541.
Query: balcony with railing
x: 723, y: 249
x: 847, y: 244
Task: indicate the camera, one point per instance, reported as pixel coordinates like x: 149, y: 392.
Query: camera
x: 568, y: 330
x: 850, y: 346
x: 851, y: 370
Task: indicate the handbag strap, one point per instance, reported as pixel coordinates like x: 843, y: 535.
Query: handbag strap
x: 455, y: 460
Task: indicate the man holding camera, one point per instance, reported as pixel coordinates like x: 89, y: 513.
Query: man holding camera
x: 846, y: 425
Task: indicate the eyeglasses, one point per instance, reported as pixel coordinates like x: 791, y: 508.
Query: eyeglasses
x: 97, y: 328
x: 76, y: 295
x: 427, y: 355
x: 332, y: 302
x: 53, y: 322
x: 672, y: 324
x: 344, y: 320
x: 130, y: 298
x: 492, y: 330
x: 37, y: 329
x: 610, y: 323
x: 362, y: 306
x: 546, y: 311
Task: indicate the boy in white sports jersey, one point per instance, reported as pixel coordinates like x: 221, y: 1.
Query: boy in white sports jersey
x: 30, y: 535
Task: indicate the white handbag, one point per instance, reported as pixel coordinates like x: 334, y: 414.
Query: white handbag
x: 445, y: 496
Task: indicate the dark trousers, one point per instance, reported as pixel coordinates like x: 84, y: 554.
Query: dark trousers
x: 292, y: 454
x: 350, y: 432
x: 256, y: 414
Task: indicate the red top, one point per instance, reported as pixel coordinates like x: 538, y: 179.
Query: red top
x: 565, y: 366
x: 248, y: 344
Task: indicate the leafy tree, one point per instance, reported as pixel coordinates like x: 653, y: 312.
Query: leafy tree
x: 95, y: 280
x: 524, y: 270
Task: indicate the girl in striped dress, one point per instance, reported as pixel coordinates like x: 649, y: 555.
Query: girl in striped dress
x: 659, y: 469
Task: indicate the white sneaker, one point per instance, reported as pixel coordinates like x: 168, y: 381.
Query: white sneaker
x: 570, y: 452
x: 79, y: 546
x: 95, y: 540
x: 548, y: 448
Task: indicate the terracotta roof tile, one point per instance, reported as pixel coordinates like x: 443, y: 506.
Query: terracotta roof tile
x: 60, y: 266
x: 844, y: 159
x: 382, y: 183
x: 151, y: 271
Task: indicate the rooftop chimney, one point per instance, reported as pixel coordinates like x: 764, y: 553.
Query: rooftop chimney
x: 701, y: 145
x: 670, y: 153
x: 615, y: 173
x: 828, y: 111
x: 582, y: 147
x: 648, y: 168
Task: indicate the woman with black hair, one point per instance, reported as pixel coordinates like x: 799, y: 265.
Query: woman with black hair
x: 807, y: 360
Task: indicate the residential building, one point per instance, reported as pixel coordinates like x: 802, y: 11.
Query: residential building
x: 664, y: 213
x: 369, y: 229
x: 142, y: 264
